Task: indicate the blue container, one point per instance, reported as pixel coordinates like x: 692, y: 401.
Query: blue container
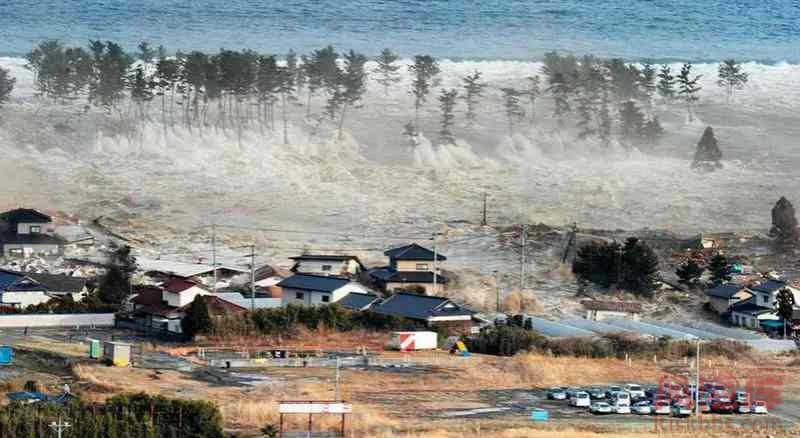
x: 6, y: 355
x: 539, y: 415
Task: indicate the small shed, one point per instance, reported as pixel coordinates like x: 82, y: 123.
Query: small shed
x: 413, y: 341
x: 598, y: 310
x: 117, y: 353
x: 94, y: 348
x: 6, y: 355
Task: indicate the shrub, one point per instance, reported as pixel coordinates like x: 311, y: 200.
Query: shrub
x: 505, y: 340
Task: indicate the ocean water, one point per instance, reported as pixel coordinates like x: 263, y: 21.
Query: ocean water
x: 700, y: 30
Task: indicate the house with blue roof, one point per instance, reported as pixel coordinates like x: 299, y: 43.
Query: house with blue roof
x: 411, y: 266
x: 766, y: 291
x: 315, y: 290
x: 722, y: 296
x: 20, y: 290
x: 430, y: 311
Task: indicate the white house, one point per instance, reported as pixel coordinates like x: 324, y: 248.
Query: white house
x: 313, y: 290
x: 338, y: 265
x: 766, y: 292
x: 179, y: 292
x: 411, y: 266
x: 598, y: 310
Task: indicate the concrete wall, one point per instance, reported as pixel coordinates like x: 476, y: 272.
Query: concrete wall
x: 66, y: 320
x: 23, y: 299
x: 337, y: 267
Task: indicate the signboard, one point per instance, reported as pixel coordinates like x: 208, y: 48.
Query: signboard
x: 315, y: 408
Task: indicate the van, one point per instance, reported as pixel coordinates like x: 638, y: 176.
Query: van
x: 620, y: 398
x: 581, y: 399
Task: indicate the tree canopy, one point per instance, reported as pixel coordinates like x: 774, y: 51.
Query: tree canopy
x: 708, y: 154
x: 784, y: 220
x: 632, y: 266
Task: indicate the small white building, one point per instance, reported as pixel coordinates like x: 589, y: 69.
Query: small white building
x: 179, y: 292
x: 314, y: 290
x: 598, y: 310
x: 337, y: 265
x: 19, y: 290
x: 767, y: 291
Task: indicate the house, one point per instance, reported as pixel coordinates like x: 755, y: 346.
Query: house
x: 18, y: 289
x: 598, y: 310
x: 748, y: 313
x: 722, y: 296
x: 338, y: 265
x: 60, y: 285
x: 767, y: 291
x: 411, y: 266
x: 431, y: 311
x: 313, y: 290
x: 163, y: 270
x: 26, y: 232
x: 358, y: 302
x: 267, y: 278
x: 178, y: 292
x: 241, y: 300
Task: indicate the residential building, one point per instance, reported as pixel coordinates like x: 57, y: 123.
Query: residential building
x: 767, y: 291
x: 151, y: 306
x: 267, y: 278
x: 314, y: 290
x: 599, y: 310
x: 26, y: 232
x: 430, y: 311
x: 60, y: 285
x: 748, y: 313
x: 337, y: 265
x: 18, y: 289
x: 358, y: 301
x: 722, y: 296
x: 163, y: 270
x: 178, y: 292
x: 411, y: 266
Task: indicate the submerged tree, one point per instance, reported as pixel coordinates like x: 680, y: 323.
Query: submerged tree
x: 447, y: 102
x: 689, y: 273
x: 647, y: 83
x: 533, y: 92
x: 353, y: 82
x: 651, y: 130
x: 784, y: 221
x: 115, y: 284
x: 720, y: 269
x: 473, y: 90
x: 6, y: 85
x: 197, y: 320
x: 688, y: 88
x: 632, y: 266
x: 513, y: 108
x: 731, y: 77
x: 666, y: 83
x: 424, y: 70
x: 632, y: 122
x: 708, y: 155
x: 386, y: 72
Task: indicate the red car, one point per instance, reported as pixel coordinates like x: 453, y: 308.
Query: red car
x: 722, y: 407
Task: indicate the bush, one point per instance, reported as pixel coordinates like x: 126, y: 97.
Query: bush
x: 505, y: 340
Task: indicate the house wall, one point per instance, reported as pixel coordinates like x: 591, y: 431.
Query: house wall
x: 411, y: 265
x: 183, y: 298
x: 23, y: 299
x: 600, y: 315
x: 337, y: 267
x: 30, y: 249
x: 174, y: 325
x: 25, y: 227
x: 58, y: 320
x: 308, y: 298
x: 429, y: 288
x: 768, y: 300
x: 718, y: 305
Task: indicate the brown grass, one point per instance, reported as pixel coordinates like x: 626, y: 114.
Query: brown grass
x: 91, y: 383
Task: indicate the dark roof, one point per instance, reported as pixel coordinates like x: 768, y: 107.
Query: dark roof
x: 725, y: 291
x: 60, y: 282
x: 217, y: 306
x: 311, y: 282
x: 26, y: 396
x: 11, y: 237
x: 178, y: 285
x: 413, y: 252
x: 390, y: 275
x: 340, y: 258
x: 420, y: 307
x: 27, y: 215
x: 749, y: 306
x: 357, y: 301
x: 150, y: 296
x: 769, y: 286
x: 18, y: 282
x: 267, y: 271
x: 615, y: 306
x: 160, y: 310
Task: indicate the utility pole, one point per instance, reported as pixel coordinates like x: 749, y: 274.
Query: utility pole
x: 338, y: 376
x: 60, y: 427
x: 214, y: 254
x: 435, y: 260
x: 483, y: 221
x: 497, y: 290
x: 252, y: 278
x: 697, y: 382
x: 523, y: 253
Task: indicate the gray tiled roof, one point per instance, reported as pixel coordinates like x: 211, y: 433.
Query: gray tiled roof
x: 413, y: 252
x: 725, y: 291
x: 769, y: 286
x: 389, y: 275
x: 313, y: 282
x: 356, y: 301
x: 420, y: 307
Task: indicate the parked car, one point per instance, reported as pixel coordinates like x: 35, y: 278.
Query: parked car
x: 759, y: 407
x: 661, y: 407
x: 642, y: 408
x: 556, y: 393
x: 650, y: 391
x: 742, y: 407
x: 596, y: 393
x: 719, y: 392
x: 581, y: 399
x: 572, y: 391
x: 661, y: 396
x: 620, y: 397
x: 721, y: 407
x: 636, y: 391
x: 620, y: 408
x: 678, y: 410
x: 705, y: 407
x: 741, y: 396
x: 704, y: 396
x: 600, y: 407
x: 683, y: 400
x: 612, y: 390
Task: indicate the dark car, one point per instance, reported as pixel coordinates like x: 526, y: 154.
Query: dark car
x: 596, y: 393
x: 722, y: 407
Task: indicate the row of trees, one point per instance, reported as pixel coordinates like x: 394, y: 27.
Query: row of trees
x: 243, y: 89
x: 632, y: 266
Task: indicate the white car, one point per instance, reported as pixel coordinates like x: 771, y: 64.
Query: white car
x: 642, y: 408
x: 759, y: 407
x: 743, y: 407
x: 621, y: 408
x: 741, y: 396
x: 680, y: 411
x: 581, y: 399
x: 621, y: 397
x: 661, y: 407
x: 635, y: 391
x: 599, y: 408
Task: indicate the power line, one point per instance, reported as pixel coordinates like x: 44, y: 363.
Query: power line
x: 320, y: 233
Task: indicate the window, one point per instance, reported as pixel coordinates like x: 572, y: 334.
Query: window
x: 422, y: 266
x: 763, y: 299
x: 298, y: 295
x: 35, y: 229
x: 326, y: 268
x: 326, y: 299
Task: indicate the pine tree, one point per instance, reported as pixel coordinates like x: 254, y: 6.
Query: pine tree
x: 6, y: 85
x: 647, y: 84
x: 720, y: 269
x: 197, y: 320
x: 631, y: 121
x: 424, y: 70
x: 286, y: 89
x: 588, y: 88
x: 561, y: 87
x: 473, y: 91
x: 411, y: 134
x: 447, y: 103
x: 625, y: 79
x: 652, y: 130
x: 353, y: 82
x: 688, y: 88
x: 708, y: 155
x: 784, y: 221
x: 387, y: 70
x: 513, y: 107
x: 534, y: 90
x: 689, y: 273
x: 268, y: 81
x: 666, y: 83
x: 784, y: 307
x: 731, y: 77
x: 115, y: 285
x: 141, y: 90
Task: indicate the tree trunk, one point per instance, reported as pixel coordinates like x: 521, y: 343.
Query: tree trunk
x: 341, y: 120
x: 285, y: 122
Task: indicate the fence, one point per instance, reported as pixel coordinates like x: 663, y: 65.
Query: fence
x: 58, y: 320
x: 409, y: 361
